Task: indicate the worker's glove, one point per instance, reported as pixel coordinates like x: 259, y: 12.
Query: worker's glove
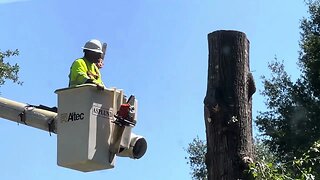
x: 100, y: 87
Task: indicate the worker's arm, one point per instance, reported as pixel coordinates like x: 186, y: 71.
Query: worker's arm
x: 78, y: 73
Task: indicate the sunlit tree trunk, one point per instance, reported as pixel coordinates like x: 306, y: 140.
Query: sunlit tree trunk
x: 228, y: 106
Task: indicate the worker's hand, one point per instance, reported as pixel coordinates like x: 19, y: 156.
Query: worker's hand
x: 100, y: 87
x: 92, y: 76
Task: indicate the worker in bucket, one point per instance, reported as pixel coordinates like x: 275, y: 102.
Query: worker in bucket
x: 84, y: 70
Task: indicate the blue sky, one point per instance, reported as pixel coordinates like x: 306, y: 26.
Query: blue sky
x: 157, y: 50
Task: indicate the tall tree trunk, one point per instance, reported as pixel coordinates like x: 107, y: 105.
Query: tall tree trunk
x: 228, y: 106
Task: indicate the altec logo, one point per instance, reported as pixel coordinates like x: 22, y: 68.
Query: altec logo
x: 73, y: 116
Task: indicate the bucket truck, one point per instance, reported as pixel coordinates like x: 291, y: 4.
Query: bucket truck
x: 92, y: 127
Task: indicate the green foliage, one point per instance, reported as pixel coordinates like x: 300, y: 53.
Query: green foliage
x: 197, y: 150
x: 262, y: 152
x: 285, y: 121
x: 291, y: 124
x: 310, y: 47
x: 266, y: 165
x: 8, y: 71
x: 304, y: 166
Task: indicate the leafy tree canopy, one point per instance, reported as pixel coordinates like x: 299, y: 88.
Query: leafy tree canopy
x: 8, y: 71
x: 292, y: 122
x: 197, y: 150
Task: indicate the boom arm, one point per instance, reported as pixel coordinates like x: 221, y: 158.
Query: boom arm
x: 28, y: 115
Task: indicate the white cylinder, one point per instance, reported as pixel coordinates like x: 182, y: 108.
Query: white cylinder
x: 138, y: 147
x: 24, y: 114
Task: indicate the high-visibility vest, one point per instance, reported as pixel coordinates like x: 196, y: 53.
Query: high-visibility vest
x: 82, y: 70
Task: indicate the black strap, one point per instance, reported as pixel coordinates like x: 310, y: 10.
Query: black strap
x: 22, y: 116
x: 51, y: 126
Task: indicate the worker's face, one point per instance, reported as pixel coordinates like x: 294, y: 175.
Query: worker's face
x: 100, y: 63
x: 93, y: 56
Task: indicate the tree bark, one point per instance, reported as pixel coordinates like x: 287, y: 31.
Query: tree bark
x: 228, y: 106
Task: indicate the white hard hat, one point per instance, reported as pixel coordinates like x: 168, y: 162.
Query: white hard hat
x: 93, y: 45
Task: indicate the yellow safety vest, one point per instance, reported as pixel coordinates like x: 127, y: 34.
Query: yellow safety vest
x: 82, y: 70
